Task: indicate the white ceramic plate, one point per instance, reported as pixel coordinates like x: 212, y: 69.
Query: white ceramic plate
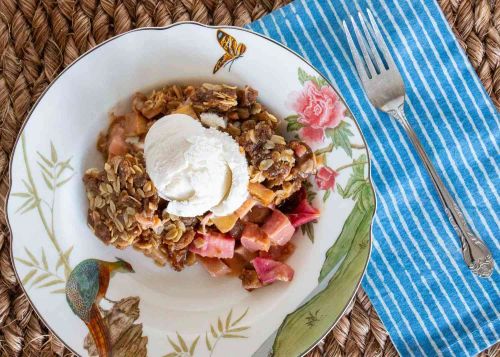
x: 188, y: 313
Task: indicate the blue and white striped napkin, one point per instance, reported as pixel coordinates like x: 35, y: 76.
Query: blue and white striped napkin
x: 426, y: 297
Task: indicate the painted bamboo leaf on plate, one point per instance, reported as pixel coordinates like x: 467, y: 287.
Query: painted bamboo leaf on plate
x: 52, y: 283
x: 63, y: 182
x: 54, y: 175
x: 53, y: 171
x: 242, y: 316
x: 44, y: 260
x: 47, y: 182
x: 31, y: 256
x: 25, y: 262
x: 47, y: 162
x: 58, y: 291
x: 29, y: 204
x: 40, y: 276
x: 224, y: 330
x: 228, y: 319
x: 21, y: 194
x: 208, y: 343
x: 44, y: 169
x: 64, y: 257
x: 193, y: 346
x: 174, y: 345
x: 53, y: 152
x: 181, y: 348
x: 28, y: 276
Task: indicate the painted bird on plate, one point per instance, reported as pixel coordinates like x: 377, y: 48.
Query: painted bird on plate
x: 86, y: 287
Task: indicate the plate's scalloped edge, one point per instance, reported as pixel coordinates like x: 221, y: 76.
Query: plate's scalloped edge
x: 37, y: 102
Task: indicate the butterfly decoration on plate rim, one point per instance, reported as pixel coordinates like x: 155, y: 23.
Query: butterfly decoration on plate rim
x: 233, y: 50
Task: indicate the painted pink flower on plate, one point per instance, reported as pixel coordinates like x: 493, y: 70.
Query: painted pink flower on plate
x: 318, y: 110
x: 325, y: 178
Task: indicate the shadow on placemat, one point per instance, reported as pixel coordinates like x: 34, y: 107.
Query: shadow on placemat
x: 40, y: 38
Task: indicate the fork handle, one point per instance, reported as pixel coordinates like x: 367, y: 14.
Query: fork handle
x: 475, y: 252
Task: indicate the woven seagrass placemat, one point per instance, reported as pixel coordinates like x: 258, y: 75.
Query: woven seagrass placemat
x: 39, y: 38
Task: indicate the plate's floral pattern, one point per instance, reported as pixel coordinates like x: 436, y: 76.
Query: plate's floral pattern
x: 318, y: 108
x: 55, y: 174
x: 325, y: 180
x: 322, y: 118
x: 229, y: 327
x: 181, y: 348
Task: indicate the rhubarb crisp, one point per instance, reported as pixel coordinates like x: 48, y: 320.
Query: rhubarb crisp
x: 176, y: 225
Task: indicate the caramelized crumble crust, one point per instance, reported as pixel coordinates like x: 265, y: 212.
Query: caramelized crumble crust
x: 124, y: 207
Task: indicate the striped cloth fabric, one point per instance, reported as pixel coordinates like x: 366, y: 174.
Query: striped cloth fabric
x: 428, y: 300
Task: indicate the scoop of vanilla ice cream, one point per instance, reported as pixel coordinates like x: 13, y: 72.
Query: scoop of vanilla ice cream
x: 194, y: 168
x: 164, y: 148
x: 238, y: 168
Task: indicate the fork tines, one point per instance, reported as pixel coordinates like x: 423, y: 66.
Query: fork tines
x: 372, y: 46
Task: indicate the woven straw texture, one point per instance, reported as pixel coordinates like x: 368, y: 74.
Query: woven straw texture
x: 39, y: 38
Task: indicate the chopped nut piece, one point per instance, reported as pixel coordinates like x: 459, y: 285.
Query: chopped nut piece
x: 199, y: 242
x: 266, y: 117
x: 265, y: 164
x: 176, y: 258
x: 245, y: 207
x: 135, y: 124
x: 186, y: 109
x: 247, y: 96
x: 261, y: 192
x: 258, y: 214
x: 213, y: 120
x: 226, y: 223
x: 154, y: 105
x: 190, y: 258
x: 233, y: 130
x: 185, y: 240
x: 211, y: 86
x: 237, y: 230
x: 250, y: 280
x: 256, y: 108
x: 278, y: 139
x: 215, y: 97
x: 232, y: 115
x: 243, y: 113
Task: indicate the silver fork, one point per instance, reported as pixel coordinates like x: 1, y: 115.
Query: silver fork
x: 385, y: 89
